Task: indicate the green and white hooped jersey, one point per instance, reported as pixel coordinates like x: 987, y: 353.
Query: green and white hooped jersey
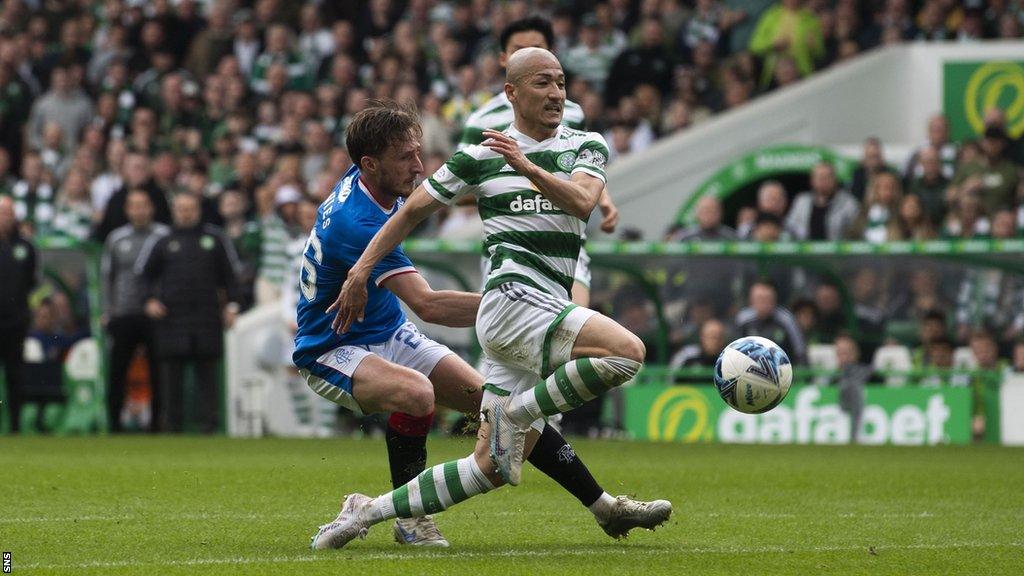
x: 497, y: 114
x: 526, y: 237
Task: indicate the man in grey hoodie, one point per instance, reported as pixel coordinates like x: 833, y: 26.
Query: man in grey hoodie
x: 65, y: 104
x: 124, y: 297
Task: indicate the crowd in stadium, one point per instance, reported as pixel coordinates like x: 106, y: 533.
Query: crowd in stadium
x: 242, y: 106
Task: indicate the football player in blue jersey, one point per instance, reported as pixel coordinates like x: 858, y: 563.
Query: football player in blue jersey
x: 383, y: 363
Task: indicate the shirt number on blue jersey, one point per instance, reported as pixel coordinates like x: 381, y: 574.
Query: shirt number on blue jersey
x: 411, y: 339
x: 307, y: 277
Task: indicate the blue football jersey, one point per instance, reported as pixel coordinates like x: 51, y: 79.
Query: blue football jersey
x: 345, y: 224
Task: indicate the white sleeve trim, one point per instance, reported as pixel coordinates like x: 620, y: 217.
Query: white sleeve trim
x: 437, y: 195
x: 590, y: 171
x: 380, y: 279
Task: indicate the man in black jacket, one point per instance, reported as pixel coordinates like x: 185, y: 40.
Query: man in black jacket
x: 192, y: 296
x: 648, y: 63
x: 765, y: 318
x: 17, y: 278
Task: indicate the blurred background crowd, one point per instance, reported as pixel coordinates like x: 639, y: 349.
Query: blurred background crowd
x: 111, y: 110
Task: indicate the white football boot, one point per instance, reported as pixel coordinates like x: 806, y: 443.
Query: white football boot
x: 419, y: 532
x: 348, y: 526
x: 626, y: 514
x: 507, y: 441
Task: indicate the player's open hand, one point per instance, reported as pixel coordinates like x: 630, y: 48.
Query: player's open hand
x: 508, y: 147
x: 350, y: 305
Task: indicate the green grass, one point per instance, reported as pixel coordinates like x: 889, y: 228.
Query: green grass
x: 219, y: 506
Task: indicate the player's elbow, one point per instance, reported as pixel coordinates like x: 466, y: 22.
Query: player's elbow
x: 428, y: 310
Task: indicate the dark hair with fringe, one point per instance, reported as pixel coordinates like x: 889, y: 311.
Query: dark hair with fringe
x: 533, y: 23
x: 382, y: 124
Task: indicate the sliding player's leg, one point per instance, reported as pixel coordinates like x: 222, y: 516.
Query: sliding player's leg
x: 457, y: 385
x: 616, y: 515
x: 436, y: 489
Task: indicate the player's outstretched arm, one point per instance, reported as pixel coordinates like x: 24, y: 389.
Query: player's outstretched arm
x: 577, y: 196
x: 351, y: 301
x: 445, y: 307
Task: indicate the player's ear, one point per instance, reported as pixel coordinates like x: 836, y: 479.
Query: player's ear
x: 503, y: 59
x: 368, y: 164
x: 510, y: 91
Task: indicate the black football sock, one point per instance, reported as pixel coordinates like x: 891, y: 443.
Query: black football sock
x: 553, y: 456
x: 407, y: 446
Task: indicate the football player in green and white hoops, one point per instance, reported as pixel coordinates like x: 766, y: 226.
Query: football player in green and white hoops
x: 496, y: 114
x: 535, y: 183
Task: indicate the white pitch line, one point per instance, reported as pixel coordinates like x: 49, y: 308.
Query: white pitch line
x: 253, y: 516
x: 353, y: 554
x: 162, y: 516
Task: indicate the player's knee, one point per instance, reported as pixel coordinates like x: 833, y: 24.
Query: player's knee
x: 630, y: 347
x: 419, y: 397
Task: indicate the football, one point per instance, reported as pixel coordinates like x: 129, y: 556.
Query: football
x: 753, y: 374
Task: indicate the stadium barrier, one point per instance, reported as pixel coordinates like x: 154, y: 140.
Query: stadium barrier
x: 644, y: 285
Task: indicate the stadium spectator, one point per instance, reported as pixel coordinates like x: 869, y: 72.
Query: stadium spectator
x: 34, y: 198
x: 711, y: 22
x: 851, y: 380
x: 930, y: 328
x: 589, y: 59
x: 913, y: 220
x: 831, y: 313
x: 968, y: 219
x: 709, y: 224
x: 869, y: 296
x: 937, y: 360
x: 278, y: 230
x: 648, y: 63
x: 1017, y: 364
x: 123, y: 299
x: 74, y: 214
x: 187, y: 271
x: 872, y: 164
x: 704, y: 353
x: 136, y: 175
x: 879, y: 219
x: 764, y: 317
x: 18, y: 269
x: 787, y: 29
x: 985, y: 380
x: 772, y: 200
x: 929, y: 183
x: 825, y: 212
x: 244, y: 234
x: 945, y: 151
x: 64, y: 104
x: 993, y: 176
x: 991, y: 298
x: 806, y: 315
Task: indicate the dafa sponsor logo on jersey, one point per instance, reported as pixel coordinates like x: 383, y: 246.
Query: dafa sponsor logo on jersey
x: 809, y: 415
x: 536, y: 205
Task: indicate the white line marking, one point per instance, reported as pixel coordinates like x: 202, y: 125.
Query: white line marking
x: 159, y: 516
x: 353, y: 554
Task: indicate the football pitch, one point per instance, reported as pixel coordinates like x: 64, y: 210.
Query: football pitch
x: 138, y: 505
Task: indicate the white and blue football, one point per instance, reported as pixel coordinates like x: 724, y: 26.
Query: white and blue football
x: 753, y: 374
